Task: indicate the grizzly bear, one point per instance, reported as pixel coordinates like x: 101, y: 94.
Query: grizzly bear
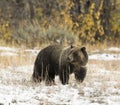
x: 62, y: 61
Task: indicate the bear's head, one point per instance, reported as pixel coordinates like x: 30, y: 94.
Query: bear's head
x: 78, y: 56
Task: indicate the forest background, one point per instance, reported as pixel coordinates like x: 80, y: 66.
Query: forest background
x: 32, y: 23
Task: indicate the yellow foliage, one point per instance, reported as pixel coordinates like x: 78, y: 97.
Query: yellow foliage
x: 38, y: 12
x: 68, y: 20
x: 115, y: 22
x: 69, y: 4
x: 5, y: 31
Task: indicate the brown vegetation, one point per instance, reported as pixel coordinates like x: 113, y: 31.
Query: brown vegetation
x: 33, y: 23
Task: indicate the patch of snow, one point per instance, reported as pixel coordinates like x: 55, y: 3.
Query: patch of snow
x: 113, y: 49
x: 88, y: 91
x: 8, y: 49
x: 31, y: 51
x: 25, y: 69
x: 113, y: 100
x: 96, y: 51
x: 105, y: 56
x: 103, y: 71
x: 8, y: 54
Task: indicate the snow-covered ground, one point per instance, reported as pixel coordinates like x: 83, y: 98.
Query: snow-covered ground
x: 100, y: 87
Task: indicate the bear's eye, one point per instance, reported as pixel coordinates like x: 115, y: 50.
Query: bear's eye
x: 75, y: 54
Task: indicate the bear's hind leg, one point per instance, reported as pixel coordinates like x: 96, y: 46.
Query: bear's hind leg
x: 36, y: 75
x: 50, y: 77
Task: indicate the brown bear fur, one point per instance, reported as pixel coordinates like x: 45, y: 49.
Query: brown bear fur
x: 58, y: 60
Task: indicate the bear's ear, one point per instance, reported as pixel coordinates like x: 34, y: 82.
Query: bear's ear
x: 71, y: 46
x: 83, y: 48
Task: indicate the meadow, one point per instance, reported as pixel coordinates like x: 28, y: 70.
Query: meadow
x: 100, y: 87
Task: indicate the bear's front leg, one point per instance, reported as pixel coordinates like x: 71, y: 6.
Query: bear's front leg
x: 64, y: 77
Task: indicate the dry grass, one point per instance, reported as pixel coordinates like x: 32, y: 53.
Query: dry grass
x: 19, y: 60
x: 113, y: 65
x: 105, y: 73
